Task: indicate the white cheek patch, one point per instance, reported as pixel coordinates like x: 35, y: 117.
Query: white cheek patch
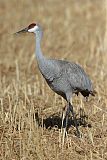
x: 35, y: 28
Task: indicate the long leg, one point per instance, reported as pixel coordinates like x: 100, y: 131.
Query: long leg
x: 65, y: 122
x: 74, y: 118
x: 65, y: 117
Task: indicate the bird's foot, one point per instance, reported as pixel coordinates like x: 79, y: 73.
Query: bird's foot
x: 78, y: 134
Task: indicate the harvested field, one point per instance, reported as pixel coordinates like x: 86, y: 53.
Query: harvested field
x: 30, y: 113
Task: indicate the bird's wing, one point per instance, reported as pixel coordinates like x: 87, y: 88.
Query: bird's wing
x: 77, y: 77
x: 73, y: 73
x: 70, y: 72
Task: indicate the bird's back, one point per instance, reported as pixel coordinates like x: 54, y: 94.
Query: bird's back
x: 63, y: 76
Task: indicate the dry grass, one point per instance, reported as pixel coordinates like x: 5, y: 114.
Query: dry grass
x: 74, y: 30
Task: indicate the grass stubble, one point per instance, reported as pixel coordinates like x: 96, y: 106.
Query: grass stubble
x: 30, y: 113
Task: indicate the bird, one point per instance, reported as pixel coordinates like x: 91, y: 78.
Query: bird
x: 64, y: 77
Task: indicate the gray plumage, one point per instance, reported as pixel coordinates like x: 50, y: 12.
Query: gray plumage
x: 65, y: 78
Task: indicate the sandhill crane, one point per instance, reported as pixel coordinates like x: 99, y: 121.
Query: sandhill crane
x: 65, y: 78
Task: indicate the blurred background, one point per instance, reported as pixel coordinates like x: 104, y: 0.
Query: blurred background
x: 75, y: 31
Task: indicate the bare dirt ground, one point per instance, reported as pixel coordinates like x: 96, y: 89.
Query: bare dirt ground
x: 30, y: 113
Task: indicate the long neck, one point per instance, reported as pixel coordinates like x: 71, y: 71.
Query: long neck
x: 41, y: 60
x: 38, y: 52
x: 45, y: 65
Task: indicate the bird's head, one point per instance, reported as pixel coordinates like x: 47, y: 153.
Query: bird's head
x: 32, y: 28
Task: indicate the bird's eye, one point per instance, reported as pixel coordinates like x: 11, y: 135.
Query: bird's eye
x: 31, y: 25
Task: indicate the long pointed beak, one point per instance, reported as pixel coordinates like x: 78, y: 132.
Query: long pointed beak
x: 22, y: 31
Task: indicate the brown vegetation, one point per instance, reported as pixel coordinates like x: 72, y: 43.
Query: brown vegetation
x: 30, y: 113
